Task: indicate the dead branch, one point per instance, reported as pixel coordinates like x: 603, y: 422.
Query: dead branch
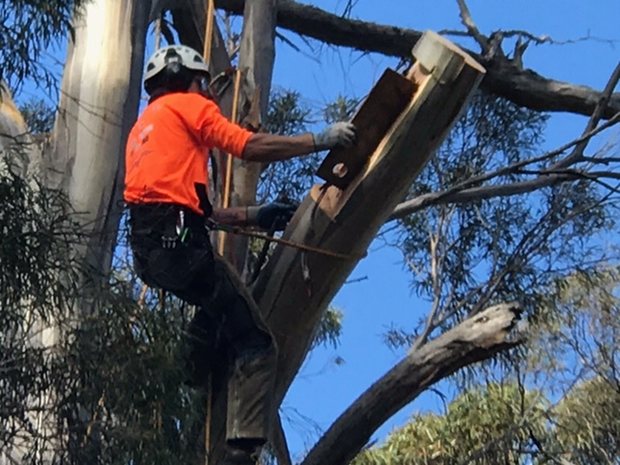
x: 504, y: 78
x: 477, y: 338
x: 472, y: 29
x: 577, y: 153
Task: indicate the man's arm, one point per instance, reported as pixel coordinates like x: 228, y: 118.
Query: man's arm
x: 270, y: 216
x: 233, y: 216
x: 270, y: 147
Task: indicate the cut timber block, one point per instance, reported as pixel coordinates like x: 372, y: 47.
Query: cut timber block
x: 387, y: 100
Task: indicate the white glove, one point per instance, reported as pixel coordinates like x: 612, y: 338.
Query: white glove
x: 342, y: 134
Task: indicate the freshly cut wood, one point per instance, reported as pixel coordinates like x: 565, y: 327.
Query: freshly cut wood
x: 296, y: 287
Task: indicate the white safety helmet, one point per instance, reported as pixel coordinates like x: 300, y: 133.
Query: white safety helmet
x: 173, y: 60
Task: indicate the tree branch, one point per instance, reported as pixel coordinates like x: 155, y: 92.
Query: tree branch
x: 475, y: 193
x: 472, y: 29
x: 577, y: 154
x: 461, y: 193
x: 477, y: 338
x: 504, y: 78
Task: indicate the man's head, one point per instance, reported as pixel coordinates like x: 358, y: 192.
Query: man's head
x: 175, y: 69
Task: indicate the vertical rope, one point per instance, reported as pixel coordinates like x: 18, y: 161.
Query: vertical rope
x: 208, y: 45
x: 158, y: 32
x: 228, y: 175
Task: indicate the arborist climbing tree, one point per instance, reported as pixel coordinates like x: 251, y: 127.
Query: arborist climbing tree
x: 166, y: 193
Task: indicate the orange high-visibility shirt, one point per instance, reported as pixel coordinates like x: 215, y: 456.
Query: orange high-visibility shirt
x: 167, y: 149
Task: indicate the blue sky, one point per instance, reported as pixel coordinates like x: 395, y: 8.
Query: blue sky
x: 332, y: 378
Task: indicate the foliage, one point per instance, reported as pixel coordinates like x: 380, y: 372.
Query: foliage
x: 501, y: 424
x: 574, y: 348
x: 341, y: 109
x: 39, y: 116
x: 572, y: 416
x: 330, y: 328
x: 20, y: 48
x: 469, y: 255
x: 291, y: 179
x: 588, y: 423
x: 485, y: 426
x: 289, y: 115
x: 115, y: 380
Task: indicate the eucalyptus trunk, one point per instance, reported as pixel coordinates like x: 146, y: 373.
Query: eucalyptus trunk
x: 99, y: 103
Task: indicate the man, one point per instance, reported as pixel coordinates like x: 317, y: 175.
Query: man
x: 165, y: 190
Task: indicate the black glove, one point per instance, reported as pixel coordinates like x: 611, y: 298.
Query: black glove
x: 271, y: 216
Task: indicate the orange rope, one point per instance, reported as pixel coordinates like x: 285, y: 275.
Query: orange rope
x: 208, y: 45
x: 209, y: 32
x: 228, y: 176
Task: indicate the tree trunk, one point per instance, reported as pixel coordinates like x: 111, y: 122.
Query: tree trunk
x: 256, y: 59
x: 15, y: 142
x: 99, y: 104
x: 296, y: 286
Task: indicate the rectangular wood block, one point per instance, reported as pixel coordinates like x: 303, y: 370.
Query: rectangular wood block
x: 386, y: 101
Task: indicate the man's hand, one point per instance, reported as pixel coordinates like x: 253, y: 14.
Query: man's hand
x: 338, y: 134
x: 272, y: 216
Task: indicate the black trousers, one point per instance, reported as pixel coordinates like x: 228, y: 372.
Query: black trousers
x: 179, y: 258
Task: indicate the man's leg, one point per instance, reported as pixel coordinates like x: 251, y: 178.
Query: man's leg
x: 254, y: 358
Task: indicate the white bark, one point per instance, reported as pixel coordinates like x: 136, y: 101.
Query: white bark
x: 99, y: 103
x: 15, y: 141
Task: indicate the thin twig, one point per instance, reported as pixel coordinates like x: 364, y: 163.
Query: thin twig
x: 473, y: 30
x: 577, y: 153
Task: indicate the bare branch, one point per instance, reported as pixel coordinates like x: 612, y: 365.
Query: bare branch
x: 475, y: 339
x: 461, y: 193
x: 503, y: 78
x: 437, y: 257
x: 577, y: 153
x: 472, y: 29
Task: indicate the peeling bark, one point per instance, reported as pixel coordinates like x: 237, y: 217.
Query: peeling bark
x: 99, y: 103
x: 504, y: 78
x: 478, y: 338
